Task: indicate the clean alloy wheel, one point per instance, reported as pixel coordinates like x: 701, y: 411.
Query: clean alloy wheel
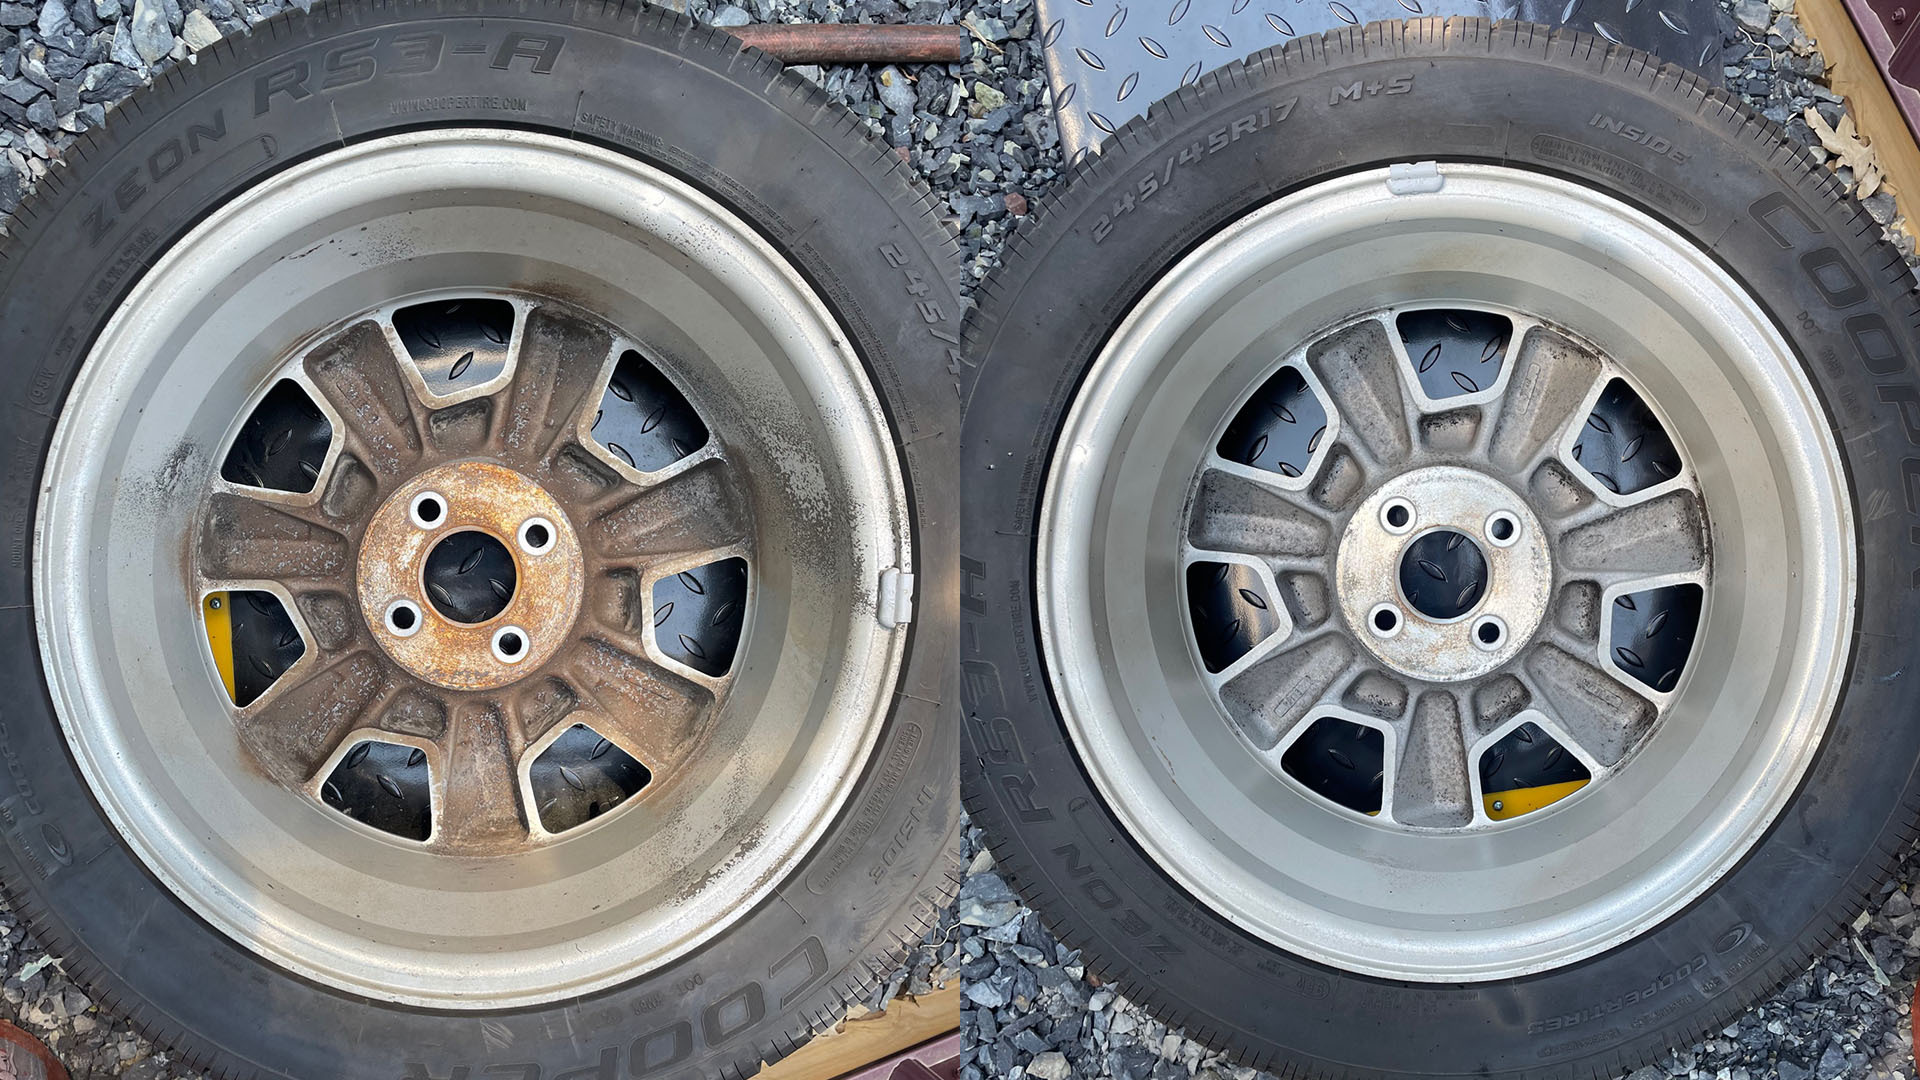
x: 473, y: 566
x: 1452, y: 589
x: 1445, y: 562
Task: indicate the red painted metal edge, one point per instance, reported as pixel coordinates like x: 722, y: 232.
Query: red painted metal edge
x: 23, y: 1057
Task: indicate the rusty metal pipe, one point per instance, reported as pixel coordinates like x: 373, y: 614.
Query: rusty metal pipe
x: 850, y: 43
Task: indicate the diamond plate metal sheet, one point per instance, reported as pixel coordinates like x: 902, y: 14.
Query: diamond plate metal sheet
x: 1107, y: 60
x: 1888, y: 27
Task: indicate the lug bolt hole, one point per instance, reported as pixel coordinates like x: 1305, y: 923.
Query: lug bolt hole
x: 1384, y: 620
x: 1397, y: 516
x: 1503, y: 529
x: 403, y: 618
x: 428, y: 509
x: 509, y: 644
x: 1489, y: 633
x: 536, y: 536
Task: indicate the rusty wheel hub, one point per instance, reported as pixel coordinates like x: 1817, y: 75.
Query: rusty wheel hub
x: 451, y: 529
x: 422, y: 577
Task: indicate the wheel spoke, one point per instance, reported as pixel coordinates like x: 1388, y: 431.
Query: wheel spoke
x: 562, y: 367
x: 246, y: 538
x: 1272, y: 697
x: 1600, y: 713
x: 1431, y: 783
x: 1356, y: 367
x: 359, y: 375
x: 1238, y: 515
x: 480, y: 794
x: 1552, y: 380
x: 299, y: 722
x: 1662, y: 535
x: 698, y: 510
x: 650, y: 710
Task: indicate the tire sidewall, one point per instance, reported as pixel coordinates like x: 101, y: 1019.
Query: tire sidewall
x: 650, y: 85
x: 1514, y: 95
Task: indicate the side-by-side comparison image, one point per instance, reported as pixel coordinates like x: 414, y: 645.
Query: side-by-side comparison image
x: 959, y: 540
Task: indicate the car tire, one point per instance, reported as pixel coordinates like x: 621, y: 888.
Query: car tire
x: 675, y: 119
x: 1159, y: 819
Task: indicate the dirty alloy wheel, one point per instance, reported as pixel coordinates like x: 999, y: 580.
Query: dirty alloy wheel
x: 470, y: 471
x: 1448, y: 615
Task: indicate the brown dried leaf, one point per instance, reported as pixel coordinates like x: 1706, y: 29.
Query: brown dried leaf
x: 1847, y: 149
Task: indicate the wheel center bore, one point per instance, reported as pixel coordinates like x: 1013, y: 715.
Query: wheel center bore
x: 1443, y: 574
x: 470, y: 577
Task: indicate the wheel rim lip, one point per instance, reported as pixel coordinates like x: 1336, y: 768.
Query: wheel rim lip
x: 841, y: 724
x: 1131, y: 747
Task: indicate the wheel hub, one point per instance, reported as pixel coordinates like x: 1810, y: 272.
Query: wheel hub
x: 1445, y: 573
x: 450, y: 547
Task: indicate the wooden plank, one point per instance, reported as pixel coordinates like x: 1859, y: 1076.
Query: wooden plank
x: 907, y: 1023
x: 1854, y: 76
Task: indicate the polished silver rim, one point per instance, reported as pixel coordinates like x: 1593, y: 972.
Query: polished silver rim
x: 458, y: 569
x: 1446, y: 584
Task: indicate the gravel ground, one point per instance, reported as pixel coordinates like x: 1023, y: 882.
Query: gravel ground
x: 980, y: 134
x: 1778, y: 70
x: 1031, y: 1009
